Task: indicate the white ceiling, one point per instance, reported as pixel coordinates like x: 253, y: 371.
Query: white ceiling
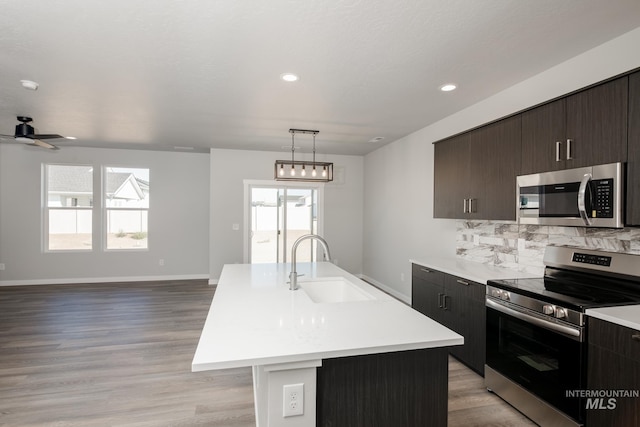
x: 154, y: 74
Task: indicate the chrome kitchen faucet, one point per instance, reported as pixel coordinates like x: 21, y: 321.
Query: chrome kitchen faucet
x: 293, y: 276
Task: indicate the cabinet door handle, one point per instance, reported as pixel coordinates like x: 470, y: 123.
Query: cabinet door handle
x: 635, y: 337
x: 426, y: 270
x: 470, y: 205
x: 440, y: 300
x: 569, y: 156
x: 558, y: 144
x: 462, y: 282
x: 444, y: 298
x: 464, y: 205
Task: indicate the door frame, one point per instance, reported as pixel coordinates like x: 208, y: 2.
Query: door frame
x: 249, y: 183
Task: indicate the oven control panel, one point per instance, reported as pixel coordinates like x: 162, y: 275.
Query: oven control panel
x: 602, y: 260
x: 500, y: 294
x: 531, y: 307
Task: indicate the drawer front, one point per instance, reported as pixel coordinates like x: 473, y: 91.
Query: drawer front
x: 428, y: 274
x: 618, y: 339
x: 462, y: 287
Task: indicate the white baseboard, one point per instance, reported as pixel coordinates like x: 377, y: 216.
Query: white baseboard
x: 102, y: 280
x: 397, y: 295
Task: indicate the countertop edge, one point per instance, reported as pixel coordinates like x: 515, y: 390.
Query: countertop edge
x: 471, y: 270
x: 244, y: 363
x: 613, y: 315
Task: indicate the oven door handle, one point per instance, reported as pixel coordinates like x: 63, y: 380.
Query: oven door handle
x: 573, y: 333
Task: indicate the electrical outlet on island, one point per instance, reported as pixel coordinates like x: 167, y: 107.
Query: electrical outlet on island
x: 293, y: 400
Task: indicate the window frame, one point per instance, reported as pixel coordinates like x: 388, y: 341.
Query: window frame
x: 106, y: 209
x: 46, y: 209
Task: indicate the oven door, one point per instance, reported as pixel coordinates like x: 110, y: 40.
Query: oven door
x: 545, y: 362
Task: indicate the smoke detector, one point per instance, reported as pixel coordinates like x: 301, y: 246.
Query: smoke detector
x: 29, y: 84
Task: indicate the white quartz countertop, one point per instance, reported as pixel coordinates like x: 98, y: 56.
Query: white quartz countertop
x: 628, y: 315
x: 255, y: 319
x: 471, y: 270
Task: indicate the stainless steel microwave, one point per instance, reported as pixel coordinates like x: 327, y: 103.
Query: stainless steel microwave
x: 582, y: 197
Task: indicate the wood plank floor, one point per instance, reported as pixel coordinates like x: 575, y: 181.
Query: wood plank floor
x: 120, y: 355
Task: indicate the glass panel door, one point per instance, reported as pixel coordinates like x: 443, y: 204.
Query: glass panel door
x: 300, y: 220
x: 279, y: 215
x: 265, y: 224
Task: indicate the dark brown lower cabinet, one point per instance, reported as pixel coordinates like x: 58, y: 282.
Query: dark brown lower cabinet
x: 456, y: 303
x: 407, y: 388
x: 613, y: 365
x: 467, y: 305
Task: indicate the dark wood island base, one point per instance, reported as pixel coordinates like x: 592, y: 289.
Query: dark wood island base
x: 407, y: 388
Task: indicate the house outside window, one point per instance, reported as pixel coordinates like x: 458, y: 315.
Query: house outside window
x: 68, y: 207
x: 126, y: 204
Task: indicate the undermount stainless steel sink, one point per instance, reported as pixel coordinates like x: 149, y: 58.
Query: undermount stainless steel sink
x: 333, y: 289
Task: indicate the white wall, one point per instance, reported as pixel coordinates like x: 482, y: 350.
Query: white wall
x: 398, y: 208
x: 398, y: 221
x: 342, y: 212
x: 178, y: 218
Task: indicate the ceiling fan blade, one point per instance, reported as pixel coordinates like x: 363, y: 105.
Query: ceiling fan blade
x: 25, y: 134
x: 44, y: 144
x: 45, y: 136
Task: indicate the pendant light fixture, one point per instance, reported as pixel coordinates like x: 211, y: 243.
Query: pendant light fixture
x: 300, y: 170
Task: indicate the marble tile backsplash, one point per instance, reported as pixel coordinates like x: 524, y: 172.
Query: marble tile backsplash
x: 522, y: 246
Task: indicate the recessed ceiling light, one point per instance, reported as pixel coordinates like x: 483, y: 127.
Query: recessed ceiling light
x: 289, y: 77
x: 376, y: 139
x: 70, y: 137
x: 448, y: 87
x: 29, y: 84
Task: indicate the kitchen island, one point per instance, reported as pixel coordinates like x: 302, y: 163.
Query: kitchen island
x: 364, y: 357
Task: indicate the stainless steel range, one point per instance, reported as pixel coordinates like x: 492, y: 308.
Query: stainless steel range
x: 536, y: 329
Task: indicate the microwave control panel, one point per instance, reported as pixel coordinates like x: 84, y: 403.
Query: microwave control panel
x: 603, y: 193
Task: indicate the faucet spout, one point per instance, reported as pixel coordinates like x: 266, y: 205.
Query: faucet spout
x: 293, y: 276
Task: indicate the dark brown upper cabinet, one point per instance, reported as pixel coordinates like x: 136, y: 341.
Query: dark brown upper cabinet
x: 475, y: 173
x: 451, y: 177
x: 583, y: 129
x: 543, y: 131
x: 633, y: 160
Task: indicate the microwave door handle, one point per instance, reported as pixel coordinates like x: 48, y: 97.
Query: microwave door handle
x: 582, y: 198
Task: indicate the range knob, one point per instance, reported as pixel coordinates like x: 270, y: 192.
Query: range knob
x: 505, y: 296
x: 548, y: 309
x: 496, y: 293
x: 561, y: 313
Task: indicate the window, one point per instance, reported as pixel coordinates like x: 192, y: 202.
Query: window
x: 126, y: 204
x: 68, y: 206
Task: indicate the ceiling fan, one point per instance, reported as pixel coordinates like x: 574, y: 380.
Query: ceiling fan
x: 25, y: 133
